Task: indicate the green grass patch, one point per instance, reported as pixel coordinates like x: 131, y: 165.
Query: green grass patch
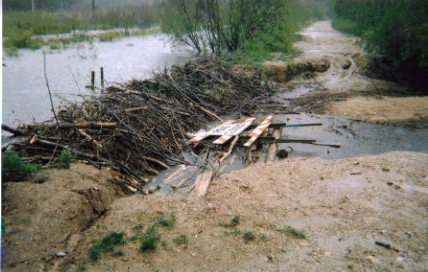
x: 249, y: 236
x: 81, y: 268
x: 166, y: 223
x: 290, y: 231
x: 14, y: 168
x: 232, y: 223
x: 181, y: 240
x: 107, y: 244
x: 149, y: 239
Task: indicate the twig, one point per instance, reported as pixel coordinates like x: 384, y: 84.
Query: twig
x: 232, y: 144
x: 49, y: 89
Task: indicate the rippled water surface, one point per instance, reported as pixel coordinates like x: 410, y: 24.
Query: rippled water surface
x: 25, y: 96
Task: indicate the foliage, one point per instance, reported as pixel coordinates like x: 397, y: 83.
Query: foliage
x: 107, y: 244
x: 65, y: 158
x: 149, y: 239
x: 180, y: 240
x: 250, y: 29
x: 167, y: 223
x: 248, y: 236
x: 20, y: 28
x: 14, y: 168
x: 395, y: 30
x: 233, y: 222
x: 293, y: 232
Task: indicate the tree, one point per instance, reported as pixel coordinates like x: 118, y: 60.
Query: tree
x: 218, y: 25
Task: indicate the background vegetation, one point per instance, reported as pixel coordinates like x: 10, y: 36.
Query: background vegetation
x: 21, y: 26
x: 249, y: 28
x: 396, y: 31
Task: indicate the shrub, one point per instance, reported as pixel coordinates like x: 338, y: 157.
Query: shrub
x: 14, y: 169
x: 65, y: 158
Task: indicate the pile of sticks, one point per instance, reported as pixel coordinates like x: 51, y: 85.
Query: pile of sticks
x: 140, y: 127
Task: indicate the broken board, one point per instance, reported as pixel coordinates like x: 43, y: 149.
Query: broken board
x: 214, y: 131
x: 201, y: 184
x: 233, y: 130
x: 258, y: 131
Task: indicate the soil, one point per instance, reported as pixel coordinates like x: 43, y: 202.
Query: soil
x: 365, y: 213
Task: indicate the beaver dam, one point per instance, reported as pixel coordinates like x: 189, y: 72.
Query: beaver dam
x: 143, y: 127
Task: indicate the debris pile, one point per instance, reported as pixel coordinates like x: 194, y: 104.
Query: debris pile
x: 139, y: 127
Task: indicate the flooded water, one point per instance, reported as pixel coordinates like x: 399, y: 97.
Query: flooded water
x: 25, y: 94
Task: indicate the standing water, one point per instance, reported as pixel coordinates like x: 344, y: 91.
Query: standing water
x: 25, y: 93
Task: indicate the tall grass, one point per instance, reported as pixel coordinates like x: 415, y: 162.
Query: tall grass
x: 20, y: 28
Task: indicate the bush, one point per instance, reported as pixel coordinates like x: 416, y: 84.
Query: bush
x: 14, y: 169
x: 65, y: 159
x: 395, y: 30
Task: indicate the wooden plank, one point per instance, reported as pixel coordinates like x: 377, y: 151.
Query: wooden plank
x: 201, y: 184
x: 213, y: 131
x: 233, y: 130
x: 258, y: 130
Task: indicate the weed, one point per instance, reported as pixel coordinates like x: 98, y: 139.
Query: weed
x: 233, y: 222
x: 248, y: 236
x: 81, y: 268
x: 106, y: 245
x: 118, y: 253
x: 138, y: 227
x: 384, y: 169
x: 166, y: 223
x: 180, y: 240
x: 13, y: 168
x: 149, y: 239
x: 65, y: 158
x: 293, y: 232
x: 262, y: 237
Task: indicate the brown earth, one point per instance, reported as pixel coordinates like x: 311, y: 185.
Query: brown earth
x: 342, y: 206
x: 347, y: 209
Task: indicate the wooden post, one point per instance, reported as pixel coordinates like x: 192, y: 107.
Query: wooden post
x: 273, y: 147
x: 102, y: 76
x: 92, y: 80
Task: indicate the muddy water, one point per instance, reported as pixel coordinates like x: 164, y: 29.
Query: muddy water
x: 25, y: 95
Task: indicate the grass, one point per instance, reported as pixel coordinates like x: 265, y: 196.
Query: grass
x: 81, y: 268
x: 290, y: 231
x: 107, y: 244
x: 166, y: 223
x: 232, y: 223
x: 180, y: 240
x: 14, y: 168
x: 248, y: 236
x: 149, y: 239
x: 22, y: 29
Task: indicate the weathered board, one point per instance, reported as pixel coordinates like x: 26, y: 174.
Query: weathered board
x: 201, y: 184
x: 258, y: 131
x: 233, y: 130
x: 214, y: 131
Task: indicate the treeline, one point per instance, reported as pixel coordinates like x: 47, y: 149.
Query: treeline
x: 55, y: 5
x: 396, y: 31
x: 249, y: 28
